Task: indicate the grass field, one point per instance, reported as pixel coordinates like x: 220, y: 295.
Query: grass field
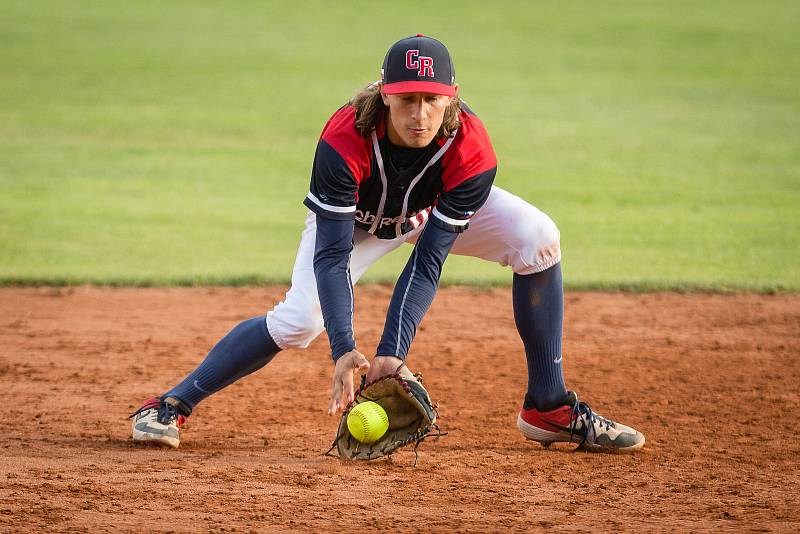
x: 171, y: 143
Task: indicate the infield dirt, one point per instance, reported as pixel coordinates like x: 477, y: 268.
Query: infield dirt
x: 711, y: 380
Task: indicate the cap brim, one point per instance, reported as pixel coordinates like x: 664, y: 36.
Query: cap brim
x: 419, y: 87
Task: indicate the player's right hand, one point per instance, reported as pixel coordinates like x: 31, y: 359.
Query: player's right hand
x: 342, y: 387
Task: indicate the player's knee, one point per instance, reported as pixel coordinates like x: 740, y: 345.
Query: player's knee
x: 550, y: 238
x: 538, y: 242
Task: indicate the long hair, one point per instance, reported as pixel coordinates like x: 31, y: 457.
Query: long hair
x: 369, y: 108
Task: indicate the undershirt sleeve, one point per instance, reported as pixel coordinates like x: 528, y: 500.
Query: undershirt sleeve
x: 334, y: 243
x: 415, y: 290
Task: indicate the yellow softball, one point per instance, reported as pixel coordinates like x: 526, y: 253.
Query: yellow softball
x: 367, y: 422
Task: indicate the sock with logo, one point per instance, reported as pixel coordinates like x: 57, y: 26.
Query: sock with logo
x: 539, y: 314
x: 245, y: 349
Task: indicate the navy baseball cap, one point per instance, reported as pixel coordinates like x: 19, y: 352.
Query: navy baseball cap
x: 418, y: 64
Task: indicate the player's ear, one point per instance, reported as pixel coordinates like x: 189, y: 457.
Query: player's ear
x: 384, y: 97
x: 457, y: 89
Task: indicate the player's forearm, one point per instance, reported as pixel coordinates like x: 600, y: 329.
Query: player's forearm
x: 414, y: 291
x: 334, y: 242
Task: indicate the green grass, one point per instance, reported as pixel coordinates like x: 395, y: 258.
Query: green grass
x: 156, y: 143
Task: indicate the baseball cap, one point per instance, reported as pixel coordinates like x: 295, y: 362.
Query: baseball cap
x: 418, y: 64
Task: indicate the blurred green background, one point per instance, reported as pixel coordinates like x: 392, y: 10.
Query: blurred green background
x: 171, y: 142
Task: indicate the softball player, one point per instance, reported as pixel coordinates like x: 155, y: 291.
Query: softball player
x: 405, y: 161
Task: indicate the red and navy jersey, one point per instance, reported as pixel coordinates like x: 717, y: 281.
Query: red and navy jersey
x: 355, y: 177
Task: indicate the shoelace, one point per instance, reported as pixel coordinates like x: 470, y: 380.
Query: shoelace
x: 165, y: 412
x: 581, y: 408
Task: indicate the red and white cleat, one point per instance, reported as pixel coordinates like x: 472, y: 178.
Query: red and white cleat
x: 575, y: 422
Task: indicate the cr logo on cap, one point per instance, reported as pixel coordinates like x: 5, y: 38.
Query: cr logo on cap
x: 423, y: 64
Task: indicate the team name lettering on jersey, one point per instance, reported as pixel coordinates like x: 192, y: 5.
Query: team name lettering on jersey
x: 423, y: 64
x: 368, y: 218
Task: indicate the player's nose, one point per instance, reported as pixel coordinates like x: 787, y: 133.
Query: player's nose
x: 418, y: 111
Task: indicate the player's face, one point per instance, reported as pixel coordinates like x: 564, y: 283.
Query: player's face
x: 415, y: 118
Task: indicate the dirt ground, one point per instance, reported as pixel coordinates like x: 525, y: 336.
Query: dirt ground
x: 711, y: 380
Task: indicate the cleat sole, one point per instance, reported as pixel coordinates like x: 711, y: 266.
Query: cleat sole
x: 144, y: 437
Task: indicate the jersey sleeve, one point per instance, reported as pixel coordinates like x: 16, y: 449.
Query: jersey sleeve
x: 341, y: 161
x: 332, y: 193
x: 455, y: 207
x: 469, y: 172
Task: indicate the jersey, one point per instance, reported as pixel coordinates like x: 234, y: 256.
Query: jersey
x: 353, y: 177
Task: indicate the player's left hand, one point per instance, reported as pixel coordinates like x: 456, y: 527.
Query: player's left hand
x: 383, y: 366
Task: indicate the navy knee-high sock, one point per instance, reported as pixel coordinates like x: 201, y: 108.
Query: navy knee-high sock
x: 245, y: 349
x: 539, y: 313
